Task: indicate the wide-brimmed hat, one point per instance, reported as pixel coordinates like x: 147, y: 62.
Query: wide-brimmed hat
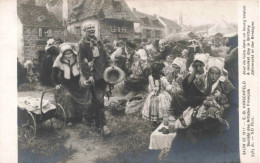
x: 50, y: 43
x: 114, y: 75
x: 64, y: 47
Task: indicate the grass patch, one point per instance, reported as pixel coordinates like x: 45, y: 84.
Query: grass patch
x: 131, y: 135
x: 48, y: 146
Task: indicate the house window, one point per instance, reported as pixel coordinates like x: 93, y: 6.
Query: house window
x: 157, y: 34
x: 145, y: 20
x: 117, y: 29
x: 148, y: 33
x: 117, y: 6
x: 123, y: 29
x: 45, y: 32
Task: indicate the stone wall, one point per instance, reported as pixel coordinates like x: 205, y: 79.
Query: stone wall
x: 30, y: 36
x: 33, y: 43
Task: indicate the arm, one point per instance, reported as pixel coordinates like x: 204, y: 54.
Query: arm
x: 54, y: 76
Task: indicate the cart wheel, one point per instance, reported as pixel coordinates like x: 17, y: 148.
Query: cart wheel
x: 28, y: 125
x: 59, y: 120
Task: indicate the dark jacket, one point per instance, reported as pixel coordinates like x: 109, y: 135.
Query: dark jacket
x: 85, y: 52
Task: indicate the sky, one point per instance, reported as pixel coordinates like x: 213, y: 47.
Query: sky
x: 193, y: 12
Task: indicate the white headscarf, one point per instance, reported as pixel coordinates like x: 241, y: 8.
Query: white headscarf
x: 64, y: 65
x: 181, y: 62
x: 142, y: 54
x: 202, y: 57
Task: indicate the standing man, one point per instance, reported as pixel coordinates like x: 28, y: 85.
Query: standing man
x: 123, y: 56
x: 93, y: 60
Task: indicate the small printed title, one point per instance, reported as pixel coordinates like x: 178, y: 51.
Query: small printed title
x: 248, y: 45
x: 248, y: 67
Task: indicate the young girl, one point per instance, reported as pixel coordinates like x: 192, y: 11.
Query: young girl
x: 158, y: 101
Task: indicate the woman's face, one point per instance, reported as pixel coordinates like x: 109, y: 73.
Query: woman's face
x: 169, y: 59
x: 213, y: 74
x: 176, y: 69
x: 68, y: 54
x: 136, y: 57
x: 198, y: 67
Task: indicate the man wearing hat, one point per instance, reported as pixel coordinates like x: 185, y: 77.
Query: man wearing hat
x: 123, y: 56
x: 93, y: 60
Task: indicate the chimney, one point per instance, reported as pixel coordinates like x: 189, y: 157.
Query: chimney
x: 65, y: 12
x: 134, y: 9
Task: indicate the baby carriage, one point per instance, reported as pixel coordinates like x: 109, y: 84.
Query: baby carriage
x: 34, y: 111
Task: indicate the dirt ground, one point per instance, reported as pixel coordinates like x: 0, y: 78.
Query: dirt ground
x: 87, y: 144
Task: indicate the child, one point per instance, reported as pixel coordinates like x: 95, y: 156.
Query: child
x: 158, y: 101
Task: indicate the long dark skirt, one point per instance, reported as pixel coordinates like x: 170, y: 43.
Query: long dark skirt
x: 207, y: 141
x: 76, y: 103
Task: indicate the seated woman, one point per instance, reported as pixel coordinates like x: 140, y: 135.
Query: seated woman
x: 190, y: 95
x: 176, y: 73
x: 158, y: 101
x: 65, y: 75
x: 204, y: 140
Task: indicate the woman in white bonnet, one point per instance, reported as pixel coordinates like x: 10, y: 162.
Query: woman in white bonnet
x: 65, y: 76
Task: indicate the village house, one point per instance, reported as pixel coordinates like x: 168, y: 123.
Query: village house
x: 113, y: 18
x: 148, y: 27
x: 170, y: 26
x: 35, y: 26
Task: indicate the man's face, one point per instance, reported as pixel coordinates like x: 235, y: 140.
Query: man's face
x: 130, y: 50
x: 198, y: 67
x: 91, y: 31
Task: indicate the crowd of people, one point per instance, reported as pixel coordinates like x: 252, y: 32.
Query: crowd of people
x: 179, y: 79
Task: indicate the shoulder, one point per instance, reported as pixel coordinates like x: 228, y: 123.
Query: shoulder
x: 57, y: 62
x: 227, y: 86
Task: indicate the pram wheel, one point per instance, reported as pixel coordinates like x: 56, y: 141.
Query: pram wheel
x: 59, y: 120
x: 28, y: 125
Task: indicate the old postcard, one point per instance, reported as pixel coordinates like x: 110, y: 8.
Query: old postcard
x: 130, y: 81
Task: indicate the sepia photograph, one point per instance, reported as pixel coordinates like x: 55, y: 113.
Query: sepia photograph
x: 127, y: 81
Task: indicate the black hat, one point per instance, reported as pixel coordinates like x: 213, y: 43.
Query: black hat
x: 131, y: 44
x: 137, y: 40
x: 157, y: 66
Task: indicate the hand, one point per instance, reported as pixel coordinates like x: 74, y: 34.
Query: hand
x: 212, y: 112
x: 91, y: 79
x: 58, y: 86
x: 90, y: 64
